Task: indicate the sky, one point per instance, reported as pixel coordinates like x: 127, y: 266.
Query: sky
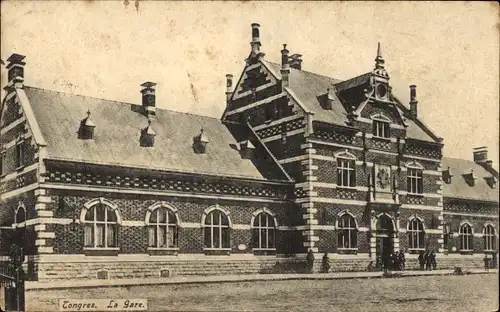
x: 106, y: 49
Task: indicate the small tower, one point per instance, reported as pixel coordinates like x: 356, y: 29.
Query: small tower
x: 86, y: 130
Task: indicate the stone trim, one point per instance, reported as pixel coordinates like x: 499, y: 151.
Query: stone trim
x: 473, y: 215
x: 279, y: 136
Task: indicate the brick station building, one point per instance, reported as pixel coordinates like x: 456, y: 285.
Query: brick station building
x: 93, y: 188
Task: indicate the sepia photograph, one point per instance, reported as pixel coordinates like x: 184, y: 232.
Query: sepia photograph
x: 249, y: 156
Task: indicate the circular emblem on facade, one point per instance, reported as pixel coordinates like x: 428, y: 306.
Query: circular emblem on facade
x: 381, y: 90
x: 453, y: 248
x: 242, y: 247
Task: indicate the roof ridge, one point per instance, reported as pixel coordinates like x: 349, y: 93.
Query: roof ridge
x: 307, y: 71
x: 118, y: 102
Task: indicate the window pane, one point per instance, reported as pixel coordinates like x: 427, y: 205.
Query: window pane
x: 225, y: 220
x: 99, y: 235
x: 216, y: 238
x: 111, y: 215
x: 225, y: 238
x: 172, y: 236
x: 88, y: 237
x: 154, y: 216
x: 100, y: 212
x: 172, y: 219
x: 216, y: 216
x: 162, y: 215
x: 263, y: 238
x: 255, y: 238
x: 111, y: 235
x: 89, y: 216
x: 271, y: 239
x: 152, y: 236
x: 353, y: 238
x: 162, y: 236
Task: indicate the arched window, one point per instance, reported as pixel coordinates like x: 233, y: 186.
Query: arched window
x: 162, y: 228
x: 263, y: 232
x: 217, y: 230
x: 347, y: 232
x: 466, y: 240
x: 416, y: 234
x: 489, y: 237
x: 101, y: 226
x: 20, y: 216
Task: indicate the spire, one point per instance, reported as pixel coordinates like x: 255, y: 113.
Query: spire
x: 88, y: 121
x: 379, y: 60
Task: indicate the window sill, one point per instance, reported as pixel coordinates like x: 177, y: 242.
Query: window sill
x: 352, y: 188
x: 347, y: 251
x: 415, y: 250
x: 93, y: 251
x: 217, y: 251
x: 381, y: 138
x: 153, y: 251
x: 415, y: 194
x: 264, y: 251
x: 20, y: 168
x: 466, y: 252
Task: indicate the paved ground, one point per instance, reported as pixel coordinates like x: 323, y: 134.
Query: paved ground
x: 63, y: 284
x: 409, y: 294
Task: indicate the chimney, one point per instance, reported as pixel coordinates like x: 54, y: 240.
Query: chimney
x: 149, y: 98
x: 480, y: 155
x: 285, y: 67
x: 296, y: 61
x: 413, y: 101
x: 15, y: 71
x: 229, y: 87
x: 256, y: 42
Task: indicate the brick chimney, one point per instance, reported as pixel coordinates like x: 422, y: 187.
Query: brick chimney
x: 480, y: 156
x: 256, y: 42
x: 15, y: 71
x: 285, y: 67
x: 149, y: 98
x: 296, y: 61
x: 229, y: 87
x: 413, y: 102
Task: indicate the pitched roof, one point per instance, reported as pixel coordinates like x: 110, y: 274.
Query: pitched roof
x: 117, y: 133
x: 308, y: 87
x: 458, y: 188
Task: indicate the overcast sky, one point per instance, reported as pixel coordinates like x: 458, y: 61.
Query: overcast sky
x: 450, y: 50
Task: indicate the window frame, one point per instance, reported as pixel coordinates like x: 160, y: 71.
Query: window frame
x: 93, y: 224
x: 351, y: 229
x: 489, y: 237
x: 415, y: 181
x: 3, y: 154
x: 382, y: 126
x: 416, y: 232
x: 19, y: 153
x: 346, y: 171
x: 466, y: 236
x: 167, y: 225
x: 269, y: 226
x: 221, y: 228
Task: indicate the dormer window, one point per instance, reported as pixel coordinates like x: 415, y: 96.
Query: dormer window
x: 381, y: 127
x: 492, y: 181
x: 86, y: 130
x: 447, y: 175
x: 470, y: 178
x: 20, y: 152
x: 147, y: 138
x: 200, y: 143
x: 247, y: 149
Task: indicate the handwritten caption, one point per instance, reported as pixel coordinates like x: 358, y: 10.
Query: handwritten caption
x: 103, y: 304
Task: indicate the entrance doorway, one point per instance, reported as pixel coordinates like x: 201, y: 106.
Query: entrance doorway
x: 384, y: 235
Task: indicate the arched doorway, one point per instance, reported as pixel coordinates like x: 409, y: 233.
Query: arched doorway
x: 385, y: 237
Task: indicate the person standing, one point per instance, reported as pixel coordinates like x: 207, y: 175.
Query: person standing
x: 433, y: 260
x: 427, y: 261
x: 486, y: 263
x: 401, y: 260
x: 325, y: 263
x: 421, y: 260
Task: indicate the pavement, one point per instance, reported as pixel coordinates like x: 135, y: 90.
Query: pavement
x: 197, y: 279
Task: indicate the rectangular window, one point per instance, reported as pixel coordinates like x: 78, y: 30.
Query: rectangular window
x: 414, y: 181
x: 381, y: 129
x: 19, y: 154
x: 346, y: 173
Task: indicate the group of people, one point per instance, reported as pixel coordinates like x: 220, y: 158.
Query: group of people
x: 393, y: 261
x: 427, y: 260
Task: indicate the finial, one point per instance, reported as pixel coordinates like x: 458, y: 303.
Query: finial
x: 379, y: 60
x: 88, y: 112
x: 284, y: 45
x: 149, y: 122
